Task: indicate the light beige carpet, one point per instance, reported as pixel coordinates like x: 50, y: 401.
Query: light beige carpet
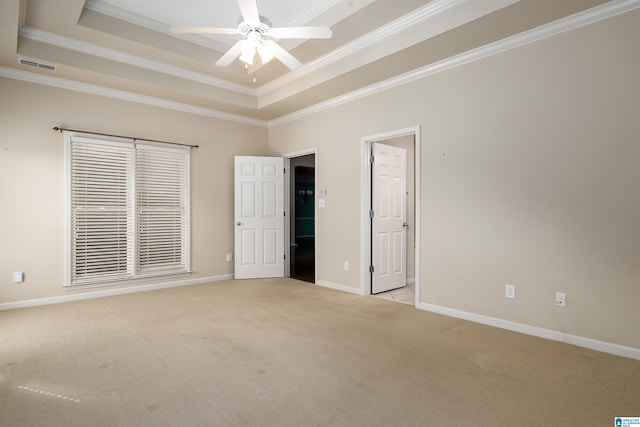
x: 287, y: 353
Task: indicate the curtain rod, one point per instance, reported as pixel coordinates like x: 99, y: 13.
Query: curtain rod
x: 56, y: 128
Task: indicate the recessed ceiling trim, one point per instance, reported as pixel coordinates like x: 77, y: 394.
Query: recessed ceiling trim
x: 47, y: 80
x: 399, y: 24
x: 580, y: 19
x: 46, y: 37
x: 151, y: 24
x: 610, y: 9
x: 314, y: 12
x: 412, y: 24
x: 333, y: 12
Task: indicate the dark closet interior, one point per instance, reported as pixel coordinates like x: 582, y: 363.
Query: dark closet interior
x: 303, y: 237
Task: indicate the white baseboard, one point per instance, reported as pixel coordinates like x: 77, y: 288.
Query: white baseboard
x: 605, y: 347
x: 110, y: 292
x: 411, y: 280
x: 338, y: 287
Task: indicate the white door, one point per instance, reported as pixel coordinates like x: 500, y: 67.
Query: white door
x: 389, y: 227
x: 259, y: 217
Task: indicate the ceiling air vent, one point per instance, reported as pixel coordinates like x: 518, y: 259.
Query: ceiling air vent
x: 37, y: 64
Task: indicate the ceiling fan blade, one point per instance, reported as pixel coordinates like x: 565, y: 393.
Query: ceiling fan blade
x: 203, y: 30
x: 249, y: 10
x: 231, y: 55
x: 301, y: 33
x: 285, y: 57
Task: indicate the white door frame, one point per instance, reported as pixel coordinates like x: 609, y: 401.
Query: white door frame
x: 287, y: 205
x: 365, y: 204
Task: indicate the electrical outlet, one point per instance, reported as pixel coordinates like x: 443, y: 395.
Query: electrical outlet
x: 510, y: 291
x: 561, y: 299
x: 346, y: 265
x: 229, y: 257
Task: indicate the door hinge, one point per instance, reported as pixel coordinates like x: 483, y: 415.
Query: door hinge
x: 285, y: 213
x: 285, y: 256
x: 371, y: 213
x: 371, y: 269
x: 372, y: 159
x: 285, y: 170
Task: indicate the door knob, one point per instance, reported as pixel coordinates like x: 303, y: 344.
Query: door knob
x: 238, y: 223
x: 404, y: 224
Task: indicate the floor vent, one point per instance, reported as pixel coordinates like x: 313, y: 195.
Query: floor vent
x: 37, y: 64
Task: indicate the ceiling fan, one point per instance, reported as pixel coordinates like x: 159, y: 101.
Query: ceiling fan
x: 259, y: 37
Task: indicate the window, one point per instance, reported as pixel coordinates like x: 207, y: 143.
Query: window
x: 128, y: 209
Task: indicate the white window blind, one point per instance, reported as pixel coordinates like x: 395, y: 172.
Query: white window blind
x: 128, y: 210
x: 162, y: 209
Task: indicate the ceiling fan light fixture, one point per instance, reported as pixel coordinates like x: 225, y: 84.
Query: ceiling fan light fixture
x: 248, y: 52
x: 266, y: 52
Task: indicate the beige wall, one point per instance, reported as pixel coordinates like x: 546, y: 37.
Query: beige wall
x: 337, y: 171
x: 32, y: 178
x: 530, y: 171
x: 529, y: 176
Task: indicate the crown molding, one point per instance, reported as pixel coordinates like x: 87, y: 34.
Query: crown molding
x: 43, y: 79
x: 590, y: 16
x: 405, y: 24
x: 125, y: 58
x: 607, y: 10
x: 313, y: 12
x: 358, y: 44
x: 104, y: 8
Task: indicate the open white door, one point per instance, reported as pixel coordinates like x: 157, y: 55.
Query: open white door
x: 389, y: 226
x: 259, y: 217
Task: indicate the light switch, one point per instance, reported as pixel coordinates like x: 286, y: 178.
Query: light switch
x: 510, y: 291
x: 321, y: 203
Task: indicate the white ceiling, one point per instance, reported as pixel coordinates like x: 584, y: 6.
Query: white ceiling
x: 160, y: 16
x: 221, y: 13
x: 125, y: 46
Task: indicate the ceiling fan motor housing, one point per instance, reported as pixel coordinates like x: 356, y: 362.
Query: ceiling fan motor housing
x: 245, y: 29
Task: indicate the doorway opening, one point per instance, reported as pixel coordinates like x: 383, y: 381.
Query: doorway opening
x: 302, y: 208
x: 375, y: 251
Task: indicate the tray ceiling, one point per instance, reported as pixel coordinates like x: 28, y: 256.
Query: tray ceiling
x: 125, y: 45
